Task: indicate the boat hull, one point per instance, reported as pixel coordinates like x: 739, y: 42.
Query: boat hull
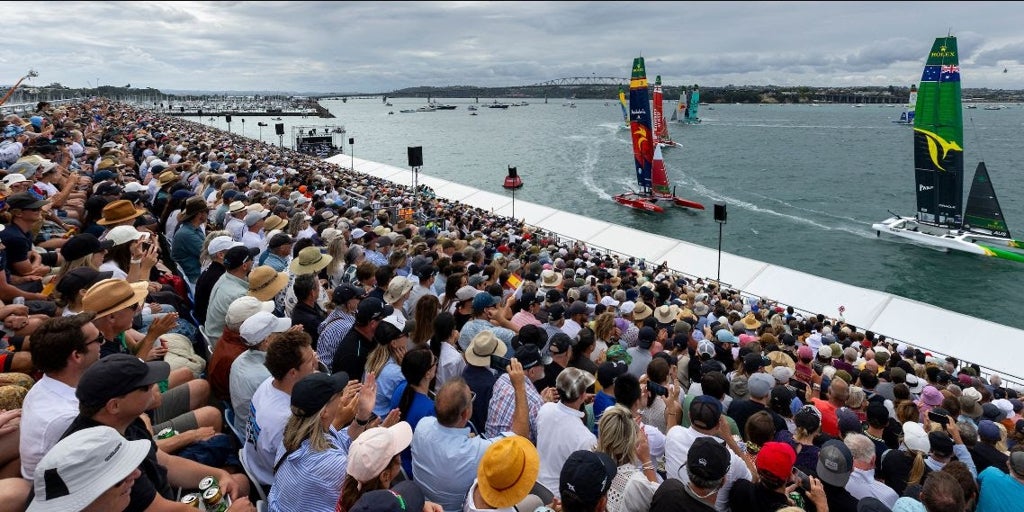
x: 949, y: 240
x: 638, y: 202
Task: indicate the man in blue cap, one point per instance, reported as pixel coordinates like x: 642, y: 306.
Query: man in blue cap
x: 488, y: 315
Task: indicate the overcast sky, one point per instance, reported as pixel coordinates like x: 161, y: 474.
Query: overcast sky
x: 382, y: 46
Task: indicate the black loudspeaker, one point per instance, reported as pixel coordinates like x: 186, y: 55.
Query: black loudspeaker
x: 351, y: 141
x: 720, y: 212
x: 228, y: 118
x: 279, y: 128
x: 415, y: 156
x: 200, y: 112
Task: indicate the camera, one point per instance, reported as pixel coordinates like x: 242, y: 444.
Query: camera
x: 657, y: 389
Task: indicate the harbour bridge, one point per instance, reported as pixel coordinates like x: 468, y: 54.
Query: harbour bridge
x: 581, y: 80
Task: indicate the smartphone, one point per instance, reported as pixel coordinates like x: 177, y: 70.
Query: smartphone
x: 500, y: 363
x: 657, y: 389
x: 802, y: 479
x: 938, y: 418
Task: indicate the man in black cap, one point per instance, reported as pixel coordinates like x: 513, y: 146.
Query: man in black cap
x: 576, y: 317
x: 238, y: 261
x: 584, y: 481
x: 279, y: 248
x: 355, y: 347
x: 346, y: 300
x: 528, y: 306
x: 558, y: 359
x: 556, y: 319
x: 114, y: 392
x: 641, y: 353
x: 425, y: 274
x: 23, y: 264
x: 707, y: 463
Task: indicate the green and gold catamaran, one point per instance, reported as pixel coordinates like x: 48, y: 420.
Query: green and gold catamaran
x: 941, y: 221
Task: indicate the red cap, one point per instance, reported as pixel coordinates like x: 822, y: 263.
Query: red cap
x: 777, y: 459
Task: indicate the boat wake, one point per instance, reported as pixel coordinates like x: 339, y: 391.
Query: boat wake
x: 588, y: 164
x: 732, y: 201
x: 812, y: 210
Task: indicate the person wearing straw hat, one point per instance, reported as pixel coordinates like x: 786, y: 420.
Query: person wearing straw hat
x: 309, y: 261
x: 187, y: 243
x: 92, y: 469
x: 119, y: 213
x: 234, y: 221
x: 506, y: 476
x: 274, y: 223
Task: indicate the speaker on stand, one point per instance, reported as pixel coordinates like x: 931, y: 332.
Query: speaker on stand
x: 415, y: 162
x: 279, y: 129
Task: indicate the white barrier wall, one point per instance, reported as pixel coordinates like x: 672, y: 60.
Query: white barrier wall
x: 925, y: 326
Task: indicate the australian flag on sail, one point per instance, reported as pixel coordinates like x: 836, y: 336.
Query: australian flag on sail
x: 941, y: 73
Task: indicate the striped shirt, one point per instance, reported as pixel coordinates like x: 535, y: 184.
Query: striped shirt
x: 310, y: 481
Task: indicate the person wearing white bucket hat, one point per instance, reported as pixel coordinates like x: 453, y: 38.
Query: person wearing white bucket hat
x: 92, y: 469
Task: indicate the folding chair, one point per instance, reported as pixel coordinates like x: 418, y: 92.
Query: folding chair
x: 255, y: 483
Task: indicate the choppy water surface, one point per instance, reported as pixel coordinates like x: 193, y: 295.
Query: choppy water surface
x: 802, y: 183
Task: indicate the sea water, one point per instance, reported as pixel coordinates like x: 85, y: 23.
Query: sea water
x: 802, y: 183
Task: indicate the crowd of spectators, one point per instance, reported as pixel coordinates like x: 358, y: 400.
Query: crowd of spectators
x: 189, y: 311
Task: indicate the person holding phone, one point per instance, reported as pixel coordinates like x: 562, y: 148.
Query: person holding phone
x: 779, y: 483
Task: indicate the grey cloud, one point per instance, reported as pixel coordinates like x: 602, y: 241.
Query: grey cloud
x: 380, y: 46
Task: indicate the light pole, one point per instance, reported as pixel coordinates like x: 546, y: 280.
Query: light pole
x: 261, y: 124
x: 512, y: 172
x: 228, y: 119
x: 243, y: 127
x: 352, y: 151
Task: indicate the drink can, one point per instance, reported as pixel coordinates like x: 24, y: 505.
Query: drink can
x: 214, y: 500
x: 206, y: 483
x: 166, y: 433
x: 191, y: 500
x: 19, y: 300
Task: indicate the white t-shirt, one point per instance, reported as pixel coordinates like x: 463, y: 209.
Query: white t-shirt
x: 110, y: 266
x: 560, y: 432
x: 268, y: 414
x: 47, y: 411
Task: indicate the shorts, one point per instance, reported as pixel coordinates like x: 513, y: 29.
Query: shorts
x: 174, y: 412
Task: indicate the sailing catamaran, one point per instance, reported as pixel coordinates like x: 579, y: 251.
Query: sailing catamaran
x: 938, y: 170
x: 907, y: 116
x: 691, y: 108
x: 654, y: 188
x: 661, y: 135
x: 679, y: 114
x: 625, y: 112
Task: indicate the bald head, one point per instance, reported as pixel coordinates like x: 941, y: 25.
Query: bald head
x: 838, y: 391
x: 453, y: 403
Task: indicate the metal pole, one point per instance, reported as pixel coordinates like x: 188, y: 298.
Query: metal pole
x: 513, y: 202
x: 719, y: 279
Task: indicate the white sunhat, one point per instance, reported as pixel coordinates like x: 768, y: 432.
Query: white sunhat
x: 259, y: 326
x: 221, y: 243
x: 124, y: 234
x: 82, y: 466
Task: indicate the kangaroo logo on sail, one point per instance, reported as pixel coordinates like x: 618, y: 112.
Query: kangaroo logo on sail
x: 935, y: 143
